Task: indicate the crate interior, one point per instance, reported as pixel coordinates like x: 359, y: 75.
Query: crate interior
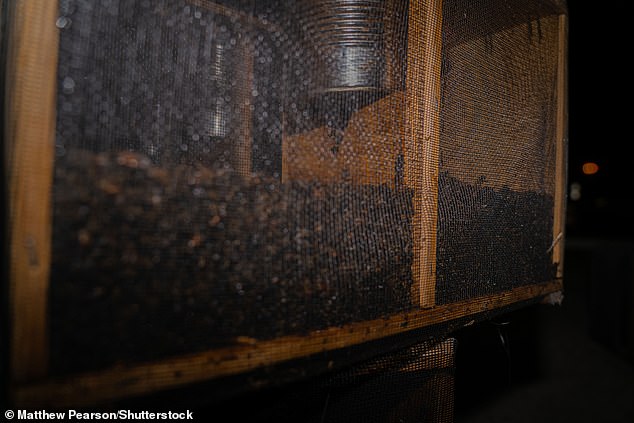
x: 237, y: 171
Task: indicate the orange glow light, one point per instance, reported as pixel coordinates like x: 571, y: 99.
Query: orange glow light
x: 589, y: 168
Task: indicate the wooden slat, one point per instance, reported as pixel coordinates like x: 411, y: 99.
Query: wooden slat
x: 367, y: 154
x: 30, y: 135
x: 374, y: 136
x: 123, y: 382
x: 561, y: 148
x: 307, y: 156
x: 424, y: 44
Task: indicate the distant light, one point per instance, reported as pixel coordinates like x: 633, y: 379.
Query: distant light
x: 575, y: 191
x: 589, y: 168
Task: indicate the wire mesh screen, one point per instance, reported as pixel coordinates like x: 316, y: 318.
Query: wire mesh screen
x: 181, y: 220
x: 240, y: 170
x: 408, y: 385
x: 411, y: 385
x: 497, y: 147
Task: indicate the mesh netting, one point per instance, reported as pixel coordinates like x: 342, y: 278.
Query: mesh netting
x: 497, y: 147
x: 238, y: 168
x: 410, y: 385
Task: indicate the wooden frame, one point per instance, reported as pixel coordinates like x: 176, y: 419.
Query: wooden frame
x: 423, y: 128
x: 128, y: 381
x: 33, y: 46
x: 30, y: 131
x: 561, y: 147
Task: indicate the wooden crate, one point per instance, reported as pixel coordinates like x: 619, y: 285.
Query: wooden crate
x: 29, y: 151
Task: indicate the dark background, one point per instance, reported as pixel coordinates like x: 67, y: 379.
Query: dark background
x: 599, y: 81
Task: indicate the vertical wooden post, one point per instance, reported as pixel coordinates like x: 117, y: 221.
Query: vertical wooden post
x: 30, y: 140
x: 421, y: 150
x: 561, y: 147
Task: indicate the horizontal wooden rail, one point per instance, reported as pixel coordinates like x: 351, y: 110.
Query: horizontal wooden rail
x: 124, y: 382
